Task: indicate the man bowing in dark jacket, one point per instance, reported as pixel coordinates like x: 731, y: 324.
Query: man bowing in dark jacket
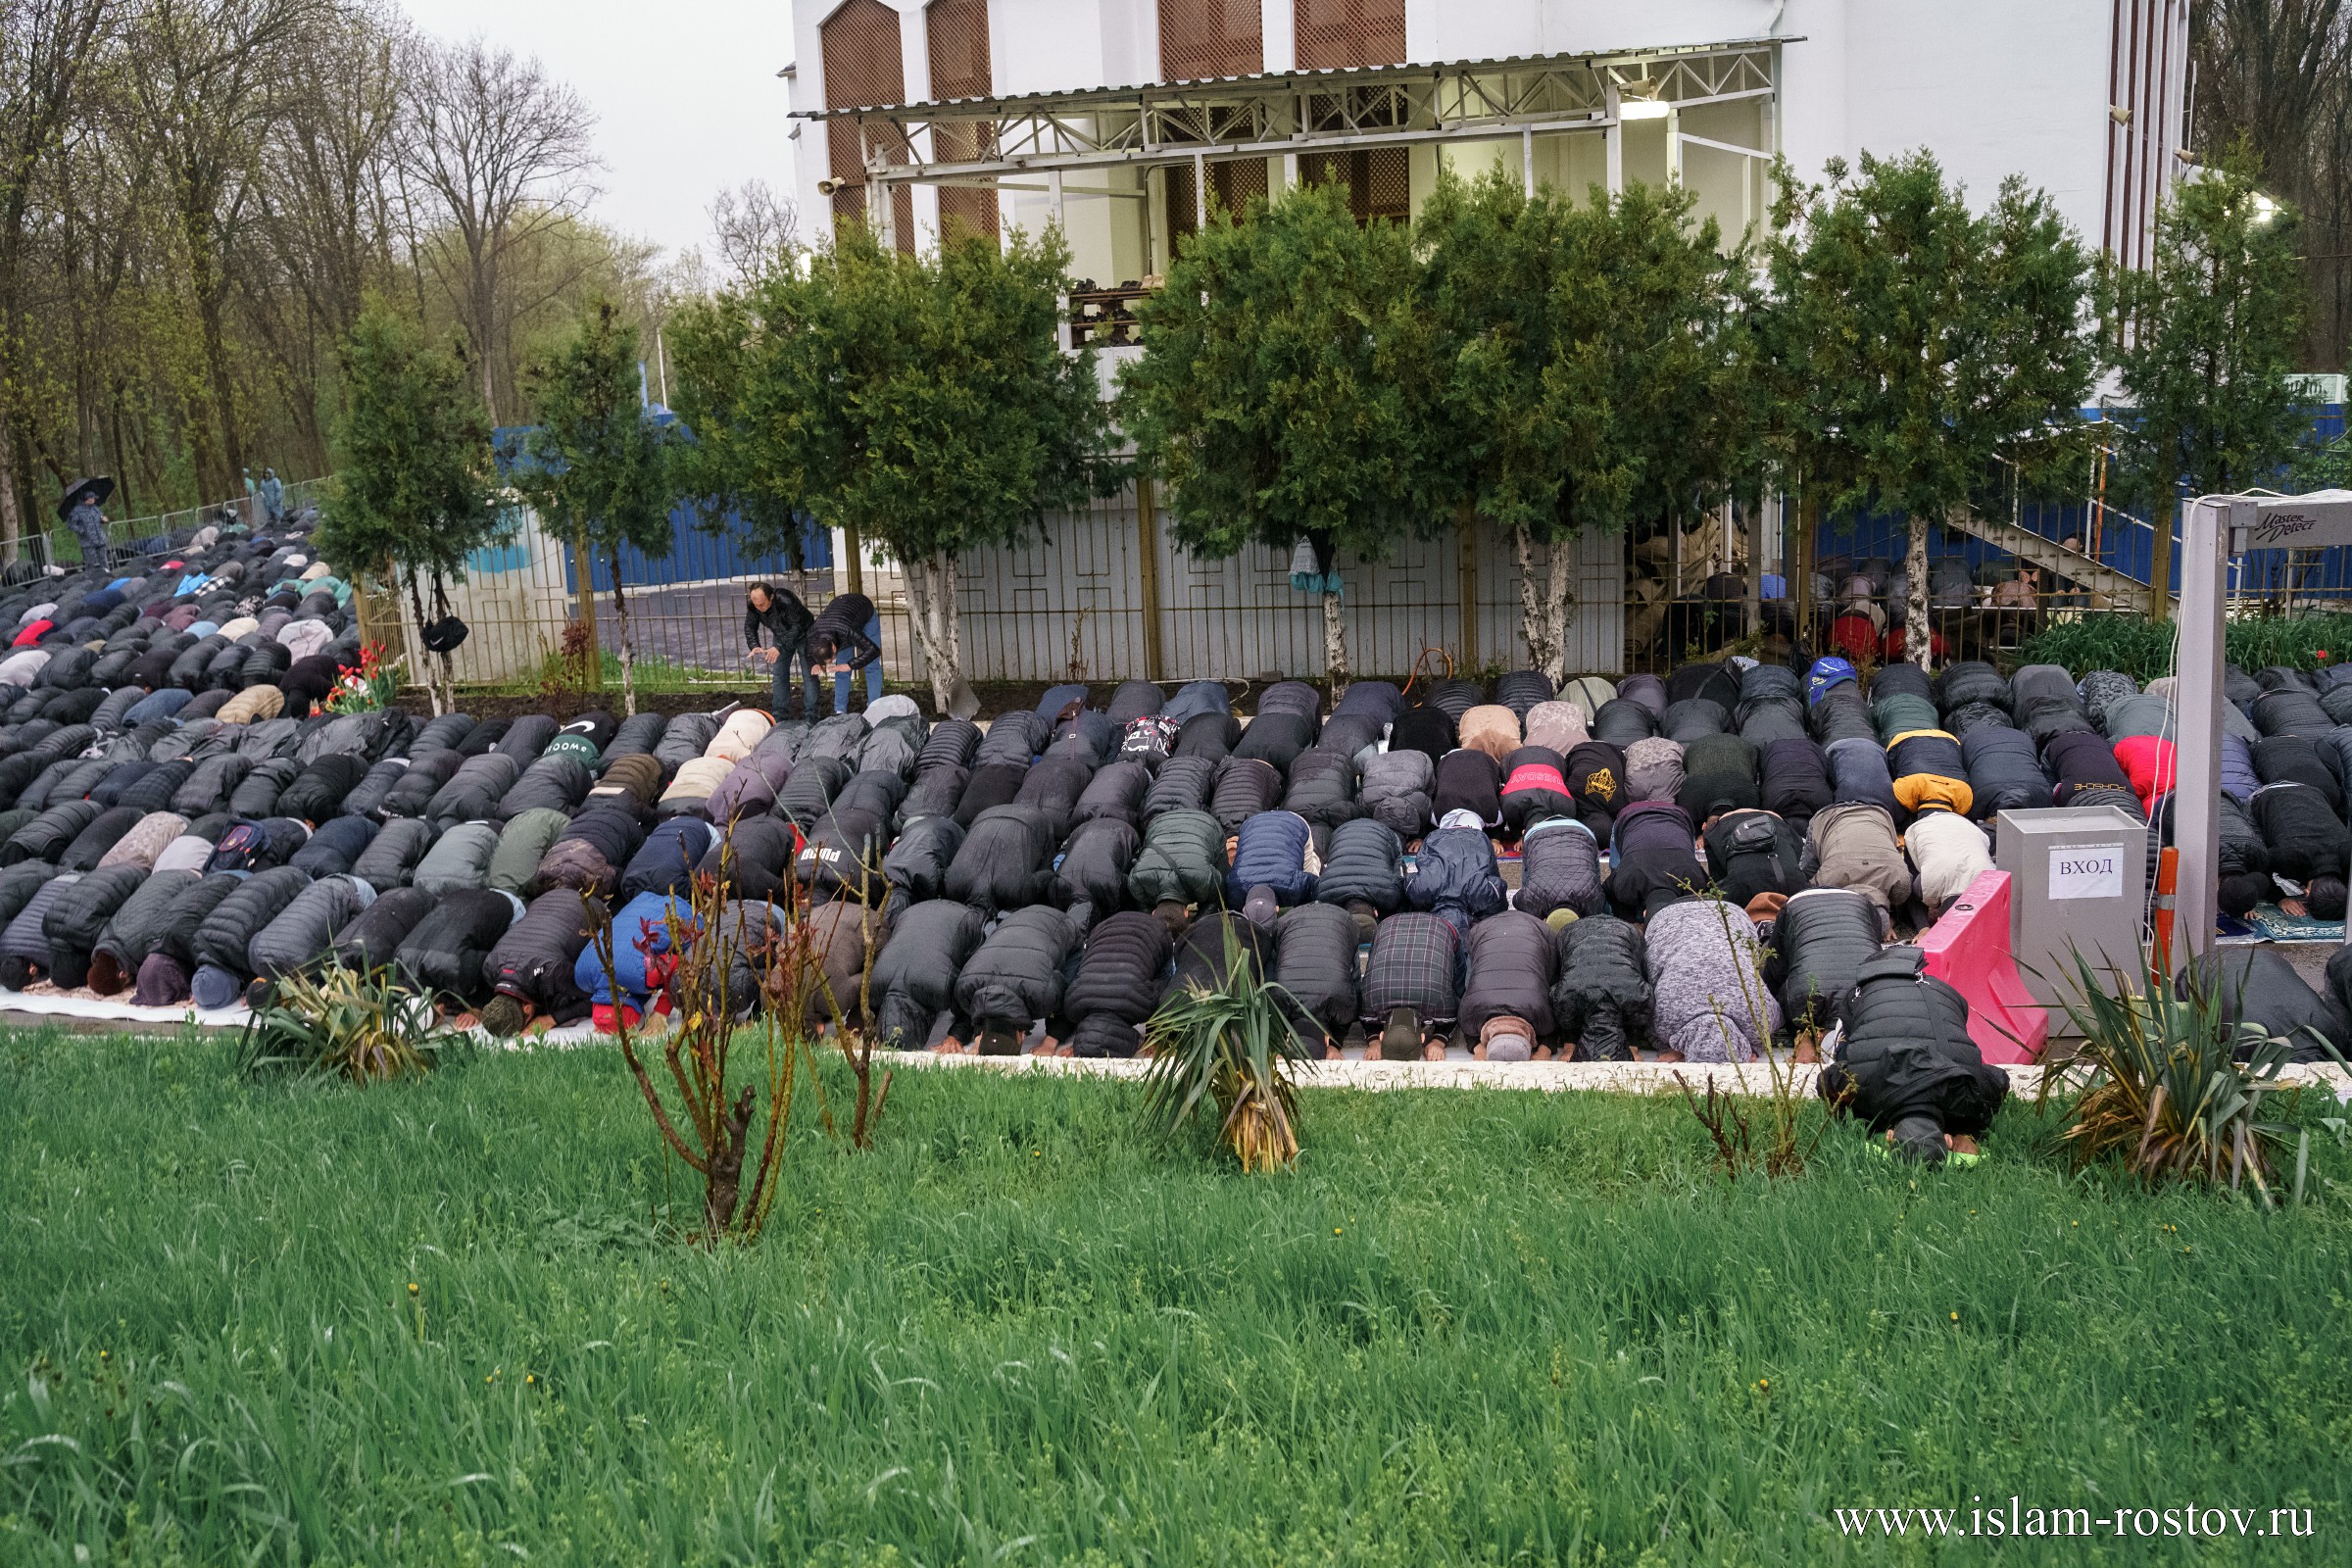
x: 846, y: 637
x: 780, y: 612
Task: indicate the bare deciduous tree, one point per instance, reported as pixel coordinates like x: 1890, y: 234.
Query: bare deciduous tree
x: 753, y: 226
x: 505, y: 154
x: 323, y: 201
x: 2279, y: 74
x: 209, y: 75
x: 44, y: 47
x: 196, y: 196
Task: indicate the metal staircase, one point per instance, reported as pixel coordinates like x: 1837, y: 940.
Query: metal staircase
x: 2115, y: 589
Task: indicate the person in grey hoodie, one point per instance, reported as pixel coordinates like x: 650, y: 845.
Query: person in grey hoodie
x: 89, y: 526
x: 1706, y: 976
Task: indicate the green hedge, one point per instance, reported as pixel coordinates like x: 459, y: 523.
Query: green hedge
x: 2143, y: 648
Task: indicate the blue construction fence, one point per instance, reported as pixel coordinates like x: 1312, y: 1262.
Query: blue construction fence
x: 700, y: 549
x: 2124, y: 545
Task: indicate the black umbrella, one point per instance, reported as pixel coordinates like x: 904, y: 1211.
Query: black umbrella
x: 97, y: 485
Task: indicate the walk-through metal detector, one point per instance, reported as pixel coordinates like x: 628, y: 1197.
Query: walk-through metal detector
x: 2215, y: 529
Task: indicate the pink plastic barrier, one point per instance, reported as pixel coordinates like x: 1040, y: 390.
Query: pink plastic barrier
x: 1968, y: 950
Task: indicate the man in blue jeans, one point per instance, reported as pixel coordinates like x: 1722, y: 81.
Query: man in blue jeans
x: 781, y: 614
x: 846, y: 637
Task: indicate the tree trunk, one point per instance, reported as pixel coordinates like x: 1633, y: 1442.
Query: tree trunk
x: 928, y: 633
x: 489, y: 375
x: 1535, y: 625
x: 1754, y: 596
x: 407, y: 580
x: 918, y: 613
x: 122, y: 460
x: 629, y: 650
x: 1335, y: 643
x: 216, y: 437
x: 1919, y: 637
x: 939, y: 627
x: 12, y: 516
x: 1561, y: 607
x: 444, y: 669
x: 949, y: 608
x: 1808, y: 603
x: 1545, y: 600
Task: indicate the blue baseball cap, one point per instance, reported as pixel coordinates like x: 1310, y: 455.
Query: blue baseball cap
x: 1826, y: 673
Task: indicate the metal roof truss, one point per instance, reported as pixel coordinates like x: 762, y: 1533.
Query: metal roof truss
x: 1302, y: 112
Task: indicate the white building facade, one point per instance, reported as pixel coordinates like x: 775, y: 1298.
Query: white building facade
x: 1125, y: 120
x: 1127, y: 116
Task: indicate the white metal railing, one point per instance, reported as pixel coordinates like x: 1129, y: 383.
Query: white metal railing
x: 2118, y: 540
x: 64, y: 547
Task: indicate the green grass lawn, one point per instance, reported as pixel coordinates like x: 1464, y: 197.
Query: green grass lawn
x: 1486, y: 1327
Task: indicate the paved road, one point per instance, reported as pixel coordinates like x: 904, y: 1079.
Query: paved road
x: 700, y: 625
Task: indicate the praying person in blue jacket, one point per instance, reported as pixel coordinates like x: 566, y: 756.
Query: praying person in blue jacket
x: 1454, y: 876
x: 645, y: 934
x: 1270, y: 866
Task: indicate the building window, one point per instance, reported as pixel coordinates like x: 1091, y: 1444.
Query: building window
x: 1335, y: 33
x: 1232, y: 186
x: 1203, y: 39
x: 1379, y: 179
x: 955, y: 32
x: 860, y: 47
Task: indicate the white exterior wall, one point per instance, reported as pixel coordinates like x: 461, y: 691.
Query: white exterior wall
x: 1445, y: 29
x: 1993, y: 87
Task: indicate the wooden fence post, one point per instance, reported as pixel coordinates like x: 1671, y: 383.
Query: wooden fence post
x: 583, y: 572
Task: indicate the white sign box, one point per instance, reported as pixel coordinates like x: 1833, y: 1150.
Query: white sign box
x: 2301, y: 523
x: 2087, y: 872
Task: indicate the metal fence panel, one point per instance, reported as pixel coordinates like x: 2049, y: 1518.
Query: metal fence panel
x: 1070, y: 605
x: 1067, y: 605
x: 514, y: 599
x: 1597, y: 624
x: 64, y: 547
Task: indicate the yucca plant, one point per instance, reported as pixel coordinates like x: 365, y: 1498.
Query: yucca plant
x: 1230, y: 1046
x: 359, y: 1024
x: 2164, y: 1089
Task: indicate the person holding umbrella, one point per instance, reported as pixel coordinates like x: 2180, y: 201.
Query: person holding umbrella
x: 78, y: 509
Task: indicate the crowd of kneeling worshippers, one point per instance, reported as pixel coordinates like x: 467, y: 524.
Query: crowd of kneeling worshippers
x: 1706, y: 864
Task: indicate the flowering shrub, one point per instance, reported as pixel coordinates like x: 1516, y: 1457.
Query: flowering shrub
x: 367, y: 686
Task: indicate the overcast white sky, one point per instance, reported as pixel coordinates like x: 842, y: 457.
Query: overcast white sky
x: 685, y: 93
